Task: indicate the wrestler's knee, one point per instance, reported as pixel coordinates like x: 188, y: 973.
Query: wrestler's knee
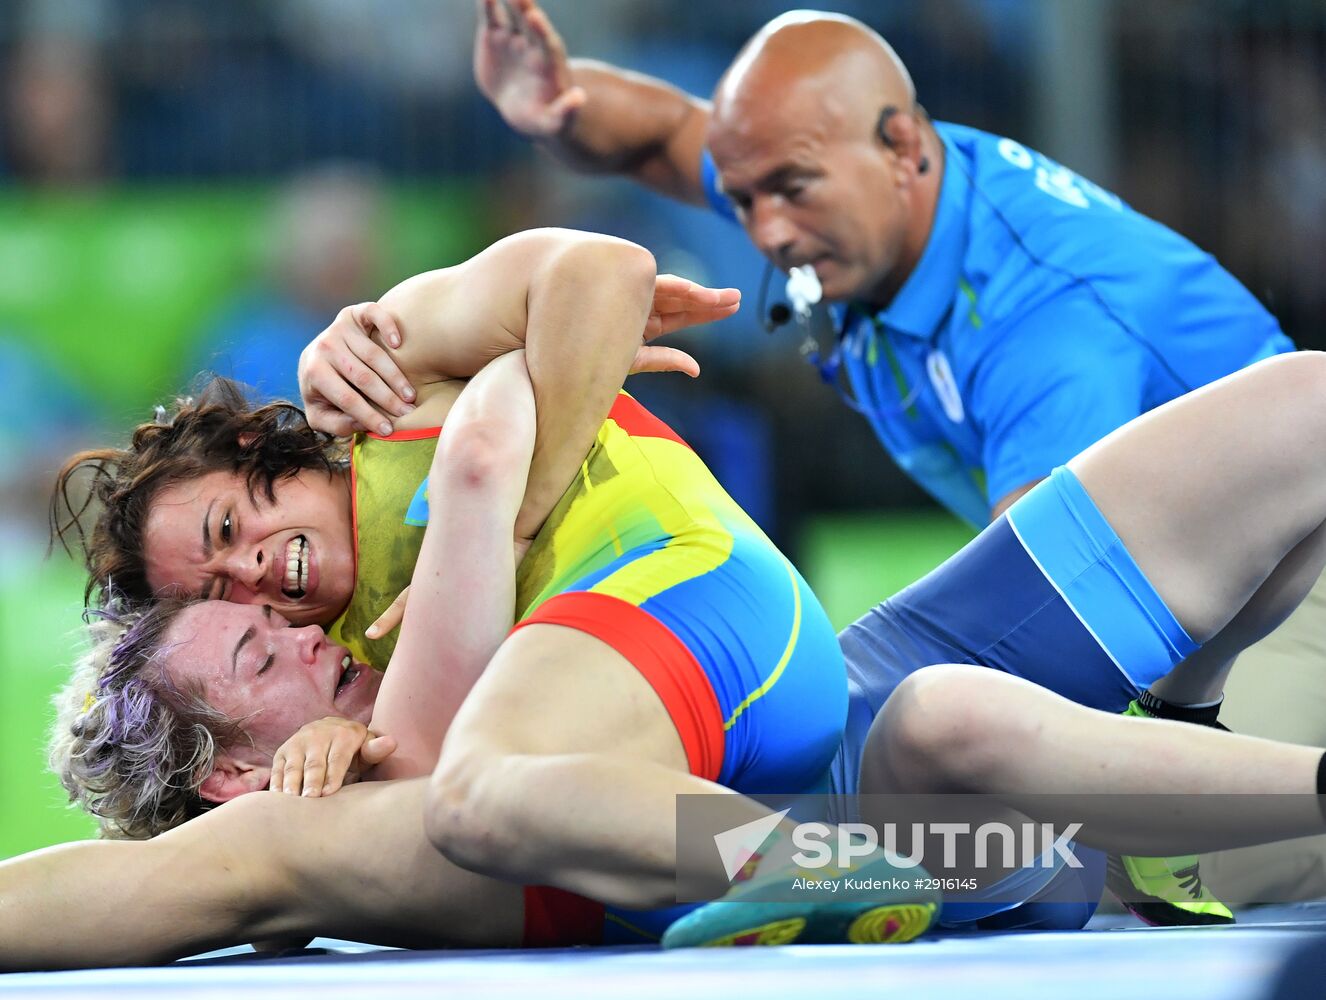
x: 940, y: 730
x: 1312, y: 366
x: 1302, y: 384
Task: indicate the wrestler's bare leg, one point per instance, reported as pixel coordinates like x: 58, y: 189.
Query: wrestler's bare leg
x: 354, y: 865
x: 969, y: 729
x: 563, y: 767
x: 1201, y: 677
x: 1220, y: 495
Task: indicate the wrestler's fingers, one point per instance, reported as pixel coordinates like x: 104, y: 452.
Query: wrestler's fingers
x: 329, y: 395
x: 330, y: 420
x: 390, y: 618
x: 677, y: 286
x: 371, y: 316
x: 660, y: 324
x: 361, y: 411
x: 664, y: 359
x: 519, y: 12
x: 363, y: 374
x: 705, y: 298
x: 293, y: 780
x: 670, y: 299
x: 671, y: 322
x: 315, y: 771
x: 340, y: 760
x: 401, y: 392
x: 275, y: 781
x: 374, y: 316
x: 667, y: 281
x: 376, y: 750
x: 674, y: 285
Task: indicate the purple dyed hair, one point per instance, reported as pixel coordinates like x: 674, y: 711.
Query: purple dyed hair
x: 130, y: 746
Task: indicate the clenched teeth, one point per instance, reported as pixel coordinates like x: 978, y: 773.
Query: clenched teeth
x: 296, y: 567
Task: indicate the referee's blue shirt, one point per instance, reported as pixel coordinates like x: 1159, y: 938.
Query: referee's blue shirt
x: 1043, y: 314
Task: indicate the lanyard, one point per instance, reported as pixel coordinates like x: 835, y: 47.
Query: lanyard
x: 829, y: 368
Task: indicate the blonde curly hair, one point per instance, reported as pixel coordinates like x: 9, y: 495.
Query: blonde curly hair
x: 129, y: 745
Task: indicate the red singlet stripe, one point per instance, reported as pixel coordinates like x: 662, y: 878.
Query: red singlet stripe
x: 416, y: 435
x: 662, y: 659
x: 555, y: 918
x: 636, y: 421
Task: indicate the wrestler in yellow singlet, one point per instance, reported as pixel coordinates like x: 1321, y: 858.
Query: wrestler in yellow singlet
x: 646, y: 552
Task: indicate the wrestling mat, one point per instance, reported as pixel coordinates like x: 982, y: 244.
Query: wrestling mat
x: 1277, y: 952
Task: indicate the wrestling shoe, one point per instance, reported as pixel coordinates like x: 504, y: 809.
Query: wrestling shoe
x: 1163, y: 892
x: 874, y: 902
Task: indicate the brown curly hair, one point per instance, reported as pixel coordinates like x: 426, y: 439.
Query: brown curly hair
x: 219, y: 430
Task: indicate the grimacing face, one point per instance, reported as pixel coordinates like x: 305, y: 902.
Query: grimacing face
x: 808, y: 194
x: 209, y: 538
x: 269, y: 675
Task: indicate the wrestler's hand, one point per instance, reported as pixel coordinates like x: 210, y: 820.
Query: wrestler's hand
x: 325, y: 755
x: 348, y: 382
x: 520, y: 66
x: 679, y: 303
x: 390, y: 618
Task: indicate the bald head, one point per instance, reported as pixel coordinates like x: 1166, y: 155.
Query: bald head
x: 819, y: 168
x: 810, y: 62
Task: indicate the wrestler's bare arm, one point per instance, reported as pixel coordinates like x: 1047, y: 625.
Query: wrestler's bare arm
x: 463, y: 592
x: 354, y: 865
x: 577, y: 302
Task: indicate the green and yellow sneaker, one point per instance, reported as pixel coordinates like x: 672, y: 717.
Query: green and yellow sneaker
x: 1163, y: 892
x: 874, y: 902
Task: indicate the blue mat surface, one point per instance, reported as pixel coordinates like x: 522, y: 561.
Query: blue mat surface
x: 1246, y: 962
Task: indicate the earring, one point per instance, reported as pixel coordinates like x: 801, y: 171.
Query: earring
x: 924, y: 166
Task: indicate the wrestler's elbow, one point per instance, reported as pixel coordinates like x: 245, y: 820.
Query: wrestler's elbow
x: 462, y: 814
x: 605, y: 262
x: 481, y: 454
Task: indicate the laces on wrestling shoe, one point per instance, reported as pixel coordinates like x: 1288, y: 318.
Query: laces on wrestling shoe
x: 1164, y: 892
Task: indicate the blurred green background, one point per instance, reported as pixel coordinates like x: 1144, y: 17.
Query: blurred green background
x: 115, y: 286
x: 38, y: 634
